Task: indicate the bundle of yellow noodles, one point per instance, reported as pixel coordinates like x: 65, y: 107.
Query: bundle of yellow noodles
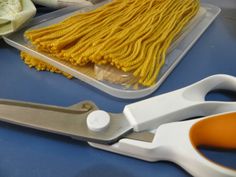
x: 131, y: 35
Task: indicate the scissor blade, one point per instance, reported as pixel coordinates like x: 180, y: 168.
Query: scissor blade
x: 69, y: 121
x: 141, y: 136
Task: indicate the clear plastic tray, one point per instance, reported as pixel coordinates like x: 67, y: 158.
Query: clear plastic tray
x: 178, y: 49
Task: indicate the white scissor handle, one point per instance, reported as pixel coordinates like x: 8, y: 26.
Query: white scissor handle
x: 181, y: 104
x: 179, y: 141
x: 173, y: 142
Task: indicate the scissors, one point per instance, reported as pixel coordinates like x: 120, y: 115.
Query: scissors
x: 150, y: 129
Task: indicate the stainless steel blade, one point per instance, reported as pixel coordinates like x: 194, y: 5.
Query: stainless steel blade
x: 70, y: 121
x: 140, y: 136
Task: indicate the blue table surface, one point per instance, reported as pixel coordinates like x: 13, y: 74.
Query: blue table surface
x: 30, y: 153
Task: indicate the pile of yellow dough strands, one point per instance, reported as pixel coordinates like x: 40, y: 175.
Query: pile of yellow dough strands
x: 132, y: 35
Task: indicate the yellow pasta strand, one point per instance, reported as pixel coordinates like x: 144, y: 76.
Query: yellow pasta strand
x: 41, y: 66
x: 131, y: 35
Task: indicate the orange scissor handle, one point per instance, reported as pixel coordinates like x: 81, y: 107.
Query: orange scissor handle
x: 217, y: 132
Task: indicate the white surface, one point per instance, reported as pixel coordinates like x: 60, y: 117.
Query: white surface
x: 98, y: 120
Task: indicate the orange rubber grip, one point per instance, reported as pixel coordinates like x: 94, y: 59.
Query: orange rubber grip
x: 216, y: 131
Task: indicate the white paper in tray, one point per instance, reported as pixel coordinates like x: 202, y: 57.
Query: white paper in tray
x: 179, y: 48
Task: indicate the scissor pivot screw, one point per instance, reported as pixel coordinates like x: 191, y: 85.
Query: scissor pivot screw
x: 98, y: 120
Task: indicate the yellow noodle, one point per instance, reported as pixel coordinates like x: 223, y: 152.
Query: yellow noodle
x: 131, y: 35
x: 41, y: 66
